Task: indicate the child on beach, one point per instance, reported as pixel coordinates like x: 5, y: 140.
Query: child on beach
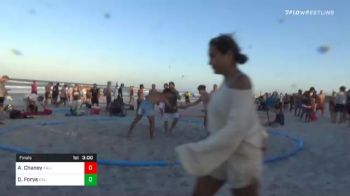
x: 204, y: 98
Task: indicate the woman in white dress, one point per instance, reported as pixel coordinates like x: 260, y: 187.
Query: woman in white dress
x: 233, y: 152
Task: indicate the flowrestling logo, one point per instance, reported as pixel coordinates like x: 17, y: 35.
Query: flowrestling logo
x: 308, y: 12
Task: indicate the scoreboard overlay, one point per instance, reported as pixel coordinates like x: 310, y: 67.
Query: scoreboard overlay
x: 56, y: 170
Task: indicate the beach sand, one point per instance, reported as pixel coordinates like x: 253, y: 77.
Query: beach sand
x: 320, y: 169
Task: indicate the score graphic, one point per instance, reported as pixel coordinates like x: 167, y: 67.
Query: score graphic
x: 90, y: 174
x: 56, y: 170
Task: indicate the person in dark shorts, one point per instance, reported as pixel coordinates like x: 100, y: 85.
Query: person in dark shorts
x: 171, y: 110
x: 95, y: 95
x: 340, y: 102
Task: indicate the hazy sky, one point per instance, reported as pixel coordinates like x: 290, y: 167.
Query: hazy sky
x: 155, y: 41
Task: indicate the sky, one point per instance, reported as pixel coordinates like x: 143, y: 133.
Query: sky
x: 156, y: 41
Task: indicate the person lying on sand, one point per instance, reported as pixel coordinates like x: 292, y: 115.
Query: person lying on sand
x: 16, y: 114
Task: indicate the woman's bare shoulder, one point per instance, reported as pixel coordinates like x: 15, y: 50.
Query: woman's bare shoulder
x: 240, y: 83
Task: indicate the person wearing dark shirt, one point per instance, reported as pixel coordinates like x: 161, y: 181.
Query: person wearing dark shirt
x: 95, y: 94
x: 170, y: 111
x: 162, y: 104
x: 55, y: 92
x: 120, y: 90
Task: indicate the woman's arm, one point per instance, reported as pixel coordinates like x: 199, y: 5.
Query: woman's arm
x: 202, y: 157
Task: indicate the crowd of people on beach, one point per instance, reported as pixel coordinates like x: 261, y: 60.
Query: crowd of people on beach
x: 307, y: 105
x: 88, y: 97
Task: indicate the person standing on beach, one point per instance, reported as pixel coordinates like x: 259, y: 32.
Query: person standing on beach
x: 95, y: 95
x: 120, y: 90
x: 55, y: 92
x: 340, y: 102
x: 34, y: 88
x: 63, y: 95
x: 348, y: 105
x: 115, y: 91
x: 48, y: 94
x: 233, y: 152
x: 76, y: 96
x: 215, y: 88
x: 171, y: 110
x: 3, y: 92
x: 320, y: 102
x: 162, y: 104
x: 153, y: 89
x: 187, y: 97
x: 292, y: 102
x: 298, y: 103
x: 203, y: 98
x: 140, y: 96
x: 131, y: 95
x: 108, y: 93
x: 70, y: 93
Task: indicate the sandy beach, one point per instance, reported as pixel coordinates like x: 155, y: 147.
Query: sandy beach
x: 321, y: 168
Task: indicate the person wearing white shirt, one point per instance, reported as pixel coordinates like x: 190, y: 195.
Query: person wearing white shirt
x: 340, y: 101
x: 233, y: 151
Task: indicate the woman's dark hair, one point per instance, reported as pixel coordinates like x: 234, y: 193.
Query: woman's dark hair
x: 342, y: 88
x: 201, y: 87
x: 225, y: 43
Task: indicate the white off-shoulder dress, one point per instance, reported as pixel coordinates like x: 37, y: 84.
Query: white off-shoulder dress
x: 233, y: 151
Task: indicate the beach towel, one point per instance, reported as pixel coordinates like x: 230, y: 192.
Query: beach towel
x: 45, y: 112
